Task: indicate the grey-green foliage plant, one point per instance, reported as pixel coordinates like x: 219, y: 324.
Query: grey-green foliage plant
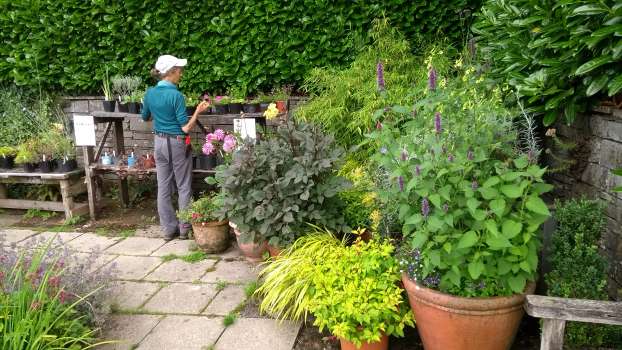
x: 274, y: 188
x: 343, y: 101
x: 578, y: 270
x: 124, y: 86
x: 560, y: 55
x: 469, y: 202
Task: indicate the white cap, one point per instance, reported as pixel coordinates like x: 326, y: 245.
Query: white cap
x: 166, y: 62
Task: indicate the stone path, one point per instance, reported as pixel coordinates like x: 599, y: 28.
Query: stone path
x: 170, y: 305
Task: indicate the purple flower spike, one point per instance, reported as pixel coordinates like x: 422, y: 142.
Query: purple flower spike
x: 400, y: 181
x: 417, y: 170
x: 450, y: 158
x: 380, y: 76
x: 437, y: 123
x: 474, y: 185
x: 404, y: 155
x: 445, y: 208
x: 470, y: 155
x: 425, y: 207
x: 432, y: 79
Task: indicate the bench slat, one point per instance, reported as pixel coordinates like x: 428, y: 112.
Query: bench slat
x: 581, y: 310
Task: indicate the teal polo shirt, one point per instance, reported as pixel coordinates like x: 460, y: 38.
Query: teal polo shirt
x: 167, y: 105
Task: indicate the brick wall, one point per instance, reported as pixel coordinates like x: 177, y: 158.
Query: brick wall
x: 597, y: 137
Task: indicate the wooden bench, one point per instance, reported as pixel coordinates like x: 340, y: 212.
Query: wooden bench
x: 556, y: 311
x: 71, y: 184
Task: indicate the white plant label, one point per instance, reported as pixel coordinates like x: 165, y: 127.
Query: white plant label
x: 245, y: 128
x: 84, y: 128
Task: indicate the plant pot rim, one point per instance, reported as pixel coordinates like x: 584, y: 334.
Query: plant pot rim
x: 211, y: 223
x: 458, y: 304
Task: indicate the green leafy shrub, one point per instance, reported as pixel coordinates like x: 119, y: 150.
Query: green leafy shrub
x: 469, y: 203
x: 259, y: 44
x: 7, y: 151
x: 204, y: 209
x: 580, y: 223
x: 561, y: 56
x: 24, y: 116
x: 360, y: 199
x: 26, y: 153
x: 274, y: 188
x: 357, y: 294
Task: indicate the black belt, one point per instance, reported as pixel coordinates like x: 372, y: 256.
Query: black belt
x: 171, y: 136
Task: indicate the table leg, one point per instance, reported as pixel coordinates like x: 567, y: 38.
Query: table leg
x: 67, y: 198
x: 120, y: 148
x: 90, y: 181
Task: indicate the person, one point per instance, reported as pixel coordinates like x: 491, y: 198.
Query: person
x: 166, y: 105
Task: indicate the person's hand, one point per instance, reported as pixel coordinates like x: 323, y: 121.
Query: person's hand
x: 202, y: 107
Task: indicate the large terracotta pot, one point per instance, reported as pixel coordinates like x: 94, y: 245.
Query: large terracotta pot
x: 447, y: 322
x: 212, y: 237
x: 274, y: 251
x: 251, y: 250
x: 383, y: 344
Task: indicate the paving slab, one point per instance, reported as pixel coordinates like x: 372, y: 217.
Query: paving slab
x: 226, y: 301
x: 185, y: 333
x: 176, y: 246
x: 92, y: 242
x: 7, y: 220
x: 233, y: 253
x: 59, y: 238
x: 153, y: 231
x: 181, y: 298
x: 231, y: 271
x: 10, y: 236
x: 135, y: 267
x: 95, y: 260
x: 136, y: 246
x: 129, y: 330
x: 128, y: 295
x: 259, y: 334
x: 181, y: 271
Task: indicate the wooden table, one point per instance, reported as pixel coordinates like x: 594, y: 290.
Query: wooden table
x: 71, y: 184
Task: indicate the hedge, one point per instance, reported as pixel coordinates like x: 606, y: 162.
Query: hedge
x: 65, y: 45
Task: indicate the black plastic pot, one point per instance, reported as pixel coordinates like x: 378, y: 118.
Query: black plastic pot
x: 7, y: 162
x: 261, y: 121
x: 206, y: 162
x: 30, y: 167
x: 190, y: 110
x: 251, y: 107
x: 221, y: 109
x: 263, y: 106
x: 46, y: 166
x: 123, y: 107
x: 109, y: 105
x: 133, y: 107
x: 63, y: 166
x: 235, y: 108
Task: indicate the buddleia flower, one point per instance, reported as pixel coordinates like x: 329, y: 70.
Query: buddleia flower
x: 425, y: 207
x: 380, y: 76
x: 432, y: 79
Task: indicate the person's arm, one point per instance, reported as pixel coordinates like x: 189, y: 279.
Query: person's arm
x: 146, y: 113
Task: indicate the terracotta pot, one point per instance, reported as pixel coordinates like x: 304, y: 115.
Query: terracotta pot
x: 251, y: 250
x: 447, y: 322
x: 383, y: 344
x: 212, y: 237
x: 281, y: 106
x: 274, y: 251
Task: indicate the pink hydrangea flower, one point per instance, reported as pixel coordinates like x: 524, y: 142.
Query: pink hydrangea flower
x: 210, y: 137
x: 208, y: 148
x: 220, y: 134
x: 229, y: 144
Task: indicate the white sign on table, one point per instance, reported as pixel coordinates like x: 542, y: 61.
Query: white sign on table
x: 84, y: 129
x: 245, y: 127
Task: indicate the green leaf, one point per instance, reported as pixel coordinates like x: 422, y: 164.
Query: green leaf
x: 597, y: 85
x: 549, y: 118
x: 436, y: 200
x: 479, y: 215
x: 472, y: 204
x: 435, y: 257
x: 419, y: 239
x: 414, y: 219
x: 491, y: 226
x: 588, y: 10
x: 511, y: 228
x: 498, y: 242
x: 593, y: 64
x: 492, y: 181
x: 468, y: 240
x: 512, y: 191
x: 475, y: 269
x: 434, y: 224
x: 521, y: 162
x: 488, y: 192
x: 615, y: 86
x: 517, y: 283
x: 537, y: 205
x: 503, y: 266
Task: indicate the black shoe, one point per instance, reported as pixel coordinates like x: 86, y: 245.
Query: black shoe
x: 183, y: 237
x: 170, y: 237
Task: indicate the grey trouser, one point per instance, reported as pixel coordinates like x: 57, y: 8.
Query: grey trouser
x: 173, y: 167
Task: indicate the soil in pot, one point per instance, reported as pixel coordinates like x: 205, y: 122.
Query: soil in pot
x: 383, y: 344
x: 447, y: 322
x: 7, y: 162
x: 46, y: 166
x: 133, y: 107
x: 109, y: 105
x: 221, y: 109
x: 211, y: 237
x: 251, y: 107
x: 251, y: 250
x: 123, y: 107
x: 235, y: 108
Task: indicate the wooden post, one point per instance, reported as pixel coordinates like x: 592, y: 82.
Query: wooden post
x: 120, y: 148
x: 90, y: 181
x: 552, y: 334
x: 67, y: 198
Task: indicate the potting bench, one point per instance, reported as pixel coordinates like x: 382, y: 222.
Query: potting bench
x: 71, y: 184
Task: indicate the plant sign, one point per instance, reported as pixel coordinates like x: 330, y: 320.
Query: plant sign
x: 84, y: 127
x: 245, y: 128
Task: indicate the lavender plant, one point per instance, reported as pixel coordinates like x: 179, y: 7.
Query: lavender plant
x: 469, y: 203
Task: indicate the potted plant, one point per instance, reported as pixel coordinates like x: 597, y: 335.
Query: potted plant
x: 238, y: 96
x: 210, y: 233
x: 469, y: 198
x: 109, y: 101
x: 134, y: 105
x: 252, y: 106
x: 264, y: 101
x: 123, y: 87
x: 191, y: 103
x: 280, y: 97
x: 218, y: 146
x: 221, y: 105
x: 274, y: 188
x: 26, y: 156
x: 7, y: 157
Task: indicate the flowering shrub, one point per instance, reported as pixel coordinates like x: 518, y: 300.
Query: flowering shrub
x: 469, y: 201
x: 271, y: 112
x: 202, y: 210
x: 219, y: 142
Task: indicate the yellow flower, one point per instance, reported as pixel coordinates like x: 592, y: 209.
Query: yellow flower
x: 271, y: 112
x: 375, y: 217
x: 458, y: 63
x: 369, y: 198
x: 536, y: 30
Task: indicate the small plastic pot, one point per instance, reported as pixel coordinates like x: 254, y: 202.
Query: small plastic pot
x: 281, y: 106
x: 221, y: 109
x: 65, y: 166
x: 46, y: 166
x: 123, y: 107
x: 133, y: 107
x: 109, y: 105
x: 251, y: 108
x: 7, y: 162
x: 30, y: 167
x: 235, y: 108
x: 263, y: 106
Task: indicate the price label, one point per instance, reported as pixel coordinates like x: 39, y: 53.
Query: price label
x: 84, y: 129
